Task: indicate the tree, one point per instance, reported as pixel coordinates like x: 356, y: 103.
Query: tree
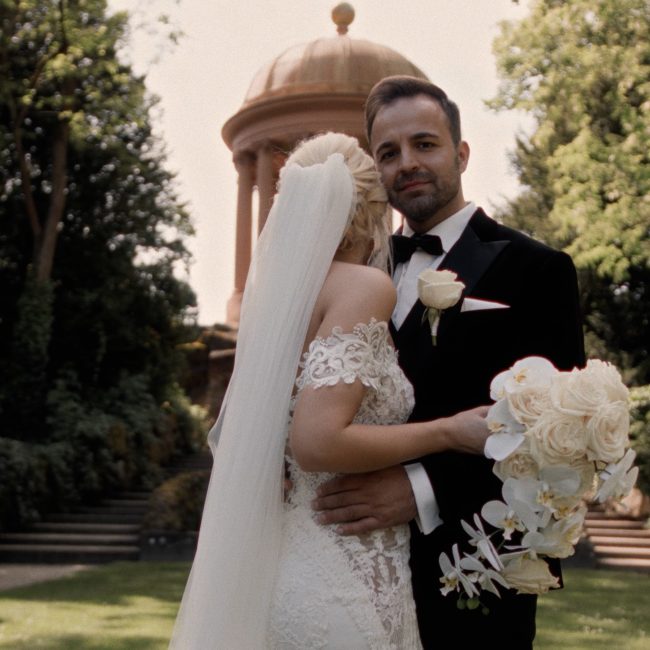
x: 581, y: 69
x: 91, y: 233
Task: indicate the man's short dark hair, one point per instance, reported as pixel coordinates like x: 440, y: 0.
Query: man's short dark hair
x: 391, y: 89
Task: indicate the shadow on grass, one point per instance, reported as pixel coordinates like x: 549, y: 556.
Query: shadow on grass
x: 112, y: 584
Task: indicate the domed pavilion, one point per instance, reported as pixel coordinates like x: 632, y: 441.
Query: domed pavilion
x: 308, y: 89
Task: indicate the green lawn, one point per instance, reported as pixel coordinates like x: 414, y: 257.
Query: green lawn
x: 131, y: 606
x: 596, y: 609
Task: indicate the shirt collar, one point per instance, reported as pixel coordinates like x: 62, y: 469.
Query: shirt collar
x: 450, y: 229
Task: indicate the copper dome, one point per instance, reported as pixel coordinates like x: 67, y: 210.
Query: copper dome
x: 313, y: 87
x: 328, y: 65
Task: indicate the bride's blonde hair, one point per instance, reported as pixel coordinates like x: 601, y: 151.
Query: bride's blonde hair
x: 370, y: 215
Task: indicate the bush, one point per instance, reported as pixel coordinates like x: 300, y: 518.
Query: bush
x: 177, y: 504
x: 33, y: 478
x: 119, y: 440
x: 640, y: 434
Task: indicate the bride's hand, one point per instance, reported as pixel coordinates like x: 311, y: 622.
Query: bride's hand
x: 468, y: 430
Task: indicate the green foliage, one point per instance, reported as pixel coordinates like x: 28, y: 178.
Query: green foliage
x: 32, y: 478
x: 95, y: 447
x: 177, y: 504
x: 23, y: 381
x: 581, y: 69
x: 90, y: 351
x: 640, y: 434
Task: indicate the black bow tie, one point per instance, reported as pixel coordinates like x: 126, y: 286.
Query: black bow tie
x: 404, y: 247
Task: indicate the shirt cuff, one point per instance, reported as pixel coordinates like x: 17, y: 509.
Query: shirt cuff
x: 428, y: 518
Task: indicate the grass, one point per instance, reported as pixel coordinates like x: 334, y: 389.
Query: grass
x: 596, y: 609
x: 131, y: 606
x: 122, y: 606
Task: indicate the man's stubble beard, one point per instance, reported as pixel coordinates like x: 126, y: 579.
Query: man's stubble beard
x: 421, y: 208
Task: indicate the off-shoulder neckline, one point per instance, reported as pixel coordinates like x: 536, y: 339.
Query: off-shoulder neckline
x: 359, y: 328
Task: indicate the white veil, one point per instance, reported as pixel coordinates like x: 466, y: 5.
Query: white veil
x: 228, y: 595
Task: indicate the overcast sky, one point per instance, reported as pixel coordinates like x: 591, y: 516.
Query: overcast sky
x: 203, y: 81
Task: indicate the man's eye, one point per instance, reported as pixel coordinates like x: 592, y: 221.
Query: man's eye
x: 386, y: 155
x: 425, y: 145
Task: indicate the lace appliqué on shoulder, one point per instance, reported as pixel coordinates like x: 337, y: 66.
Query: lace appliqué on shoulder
x: 365, y: 353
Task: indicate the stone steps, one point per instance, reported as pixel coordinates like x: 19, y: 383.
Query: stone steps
x: 618, y: 542
x: 107, y: 531
x: 69, y: 527
x: 66, y: 554
x: 640, y: 565
x: 75, y: 539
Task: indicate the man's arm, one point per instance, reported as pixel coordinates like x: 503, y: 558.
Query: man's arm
x: 360, y: 503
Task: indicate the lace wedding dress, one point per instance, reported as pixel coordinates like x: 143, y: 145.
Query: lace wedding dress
x: 354, y: 592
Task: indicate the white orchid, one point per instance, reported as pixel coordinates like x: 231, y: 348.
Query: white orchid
x: 453, y: 578
x: 531, y: 371
x: 479, y: 538
x: 557, y: 539
x: 557, y: 484
x: 526, y: 491
x: 484, y: 576
x: 507, y: 517
x: 617, y: 478
x: 507, y: 433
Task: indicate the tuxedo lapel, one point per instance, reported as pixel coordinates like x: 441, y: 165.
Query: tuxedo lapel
x: 470, y: 258
x: 473, y: 253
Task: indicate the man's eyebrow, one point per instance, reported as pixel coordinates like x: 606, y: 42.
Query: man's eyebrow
x: 425, y: 134
x: 418, y: 135
x: 384, y: 145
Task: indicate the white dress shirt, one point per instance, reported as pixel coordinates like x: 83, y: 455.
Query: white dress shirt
x: 405, y: 279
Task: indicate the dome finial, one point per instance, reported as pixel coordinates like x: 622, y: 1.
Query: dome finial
x: 343, y: 15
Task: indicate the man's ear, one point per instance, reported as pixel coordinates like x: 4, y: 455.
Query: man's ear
x: 462, y: 151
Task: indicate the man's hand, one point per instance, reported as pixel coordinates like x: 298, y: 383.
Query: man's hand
x: 361, y: 503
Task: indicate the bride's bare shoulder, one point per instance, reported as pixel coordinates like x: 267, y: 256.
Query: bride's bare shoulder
x: 353, y: 293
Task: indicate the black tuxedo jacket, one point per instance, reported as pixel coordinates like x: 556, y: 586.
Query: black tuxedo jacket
x: 539, y: 285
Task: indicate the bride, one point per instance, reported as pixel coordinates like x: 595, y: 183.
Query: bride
x: 316, y: 390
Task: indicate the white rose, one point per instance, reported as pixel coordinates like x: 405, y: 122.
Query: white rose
x: 558, y: 439
x: 607, y: 432
x: 610, y: 379
x: 439, y: 289
x: 520, y: 464
x: 581, y: 392
x: 529, y: 576
x: 528, y: 404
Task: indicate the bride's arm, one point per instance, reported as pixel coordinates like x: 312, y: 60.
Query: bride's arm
x: 323, y: 437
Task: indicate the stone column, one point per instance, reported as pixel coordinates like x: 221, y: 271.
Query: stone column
x: 245, y: 164
x: 265, y: 183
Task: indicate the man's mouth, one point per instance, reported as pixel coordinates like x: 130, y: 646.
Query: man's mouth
x: 411, y: 185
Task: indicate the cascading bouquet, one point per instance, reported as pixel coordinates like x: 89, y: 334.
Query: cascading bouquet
x: 558, y: 438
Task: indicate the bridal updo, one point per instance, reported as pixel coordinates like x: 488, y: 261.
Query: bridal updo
x: 370, y: 219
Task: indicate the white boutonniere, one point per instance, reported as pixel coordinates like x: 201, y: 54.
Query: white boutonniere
x: 438, y: 290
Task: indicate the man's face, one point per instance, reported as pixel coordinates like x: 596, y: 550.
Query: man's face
x: 419, y: 164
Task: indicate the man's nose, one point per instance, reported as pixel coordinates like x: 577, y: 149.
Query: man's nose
x: 409, y: 161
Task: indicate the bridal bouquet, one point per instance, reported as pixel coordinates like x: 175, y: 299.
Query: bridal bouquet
x: 557, y: 438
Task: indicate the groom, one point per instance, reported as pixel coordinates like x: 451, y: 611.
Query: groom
x: 520, y: 299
